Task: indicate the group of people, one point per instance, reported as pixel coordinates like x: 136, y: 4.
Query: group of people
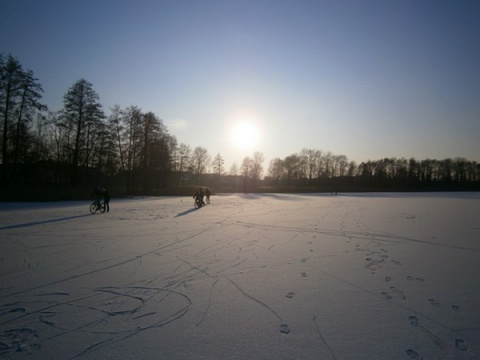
x: 99, y: 194
x: 200, y: 194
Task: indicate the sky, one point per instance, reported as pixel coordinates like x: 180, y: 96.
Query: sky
x: 365, y: 79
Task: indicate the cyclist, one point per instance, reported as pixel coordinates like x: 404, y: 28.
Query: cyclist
x: 97, y: 196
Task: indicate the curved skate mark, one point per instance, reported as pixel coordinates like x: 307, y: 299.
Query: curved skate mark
x: 61, y: 293
x: 253, y: 298
x: 107, y: 267
x: 322, y: 338
x: 144, y: 315
x: 290, y: 295
x: 413, y: 354
x: 460, y: 345
x: 116, y: 334
x: 18, y: 342
x: 51, y: 305
x: 209, y: 303
x: 138, y: 330
x: 434, y: 302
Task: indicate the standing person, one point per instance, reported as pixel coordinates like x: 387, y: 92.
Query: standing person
x: 106, y: 199
x: 202, y: 194
x: 207, y: 194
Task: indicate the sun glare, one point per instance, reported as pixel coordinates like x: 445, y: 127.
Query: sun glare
x: 244, y: 135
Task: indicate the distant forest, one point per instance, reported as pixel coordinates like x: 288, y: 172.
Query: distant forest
x: 64, y: 154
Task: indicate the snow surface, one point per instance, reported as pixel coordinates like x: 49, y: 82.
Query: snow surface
x: 358, y: 276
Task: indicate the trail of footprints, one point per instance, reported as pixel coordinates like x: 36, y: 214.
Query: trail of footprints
x: 375, y: 260
x: 460, y: 344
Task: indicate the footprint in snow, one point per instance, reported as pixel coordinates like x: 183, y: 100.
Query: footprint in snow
x: 304, y: 274
x: 290, y: 295
x: 414, y: 320
x: 15, y: 341
x: 388, y: 278
x: 398, y: 292
x: 460, y: 345
x: 455, y: 307
x: 434, y: 302
x: 411, y: 278
x: 413, y: 354
x: 284, y: 329
x: 20, y: 309
x: 386, y: 295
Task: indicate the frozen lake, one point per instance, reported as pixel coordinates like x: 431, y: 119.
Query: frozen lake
x: 250, y: 276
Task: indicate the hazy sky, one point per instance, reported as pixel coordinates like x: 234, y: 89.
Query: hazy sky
x: 365, y: 79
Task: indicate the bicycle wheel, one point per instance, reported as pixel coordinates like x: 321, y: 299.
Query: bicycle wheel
x: 102, y: 208
x: 93, y: 208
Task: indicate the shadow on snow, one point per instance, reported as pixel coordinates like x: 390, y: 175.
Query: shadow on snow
x: 42, y: 222
x: 186, y: 212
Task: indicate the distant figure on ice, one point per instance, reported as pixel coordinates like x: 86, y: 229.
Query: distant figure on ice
x: 199, y: 198
x: 106, y: 199
x: 97, y: 195
x: 207, y: 194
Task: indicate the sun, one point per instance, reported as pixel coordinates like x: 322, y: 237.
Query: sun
x: 245, y: 135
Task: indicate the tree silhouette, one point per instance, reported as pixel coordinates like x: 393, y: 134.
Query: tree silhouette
x: 83, y: 116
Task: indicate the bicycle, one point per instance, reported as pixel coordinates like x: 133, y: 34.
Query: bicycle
x: 197, y: 203
x: 97, y: 205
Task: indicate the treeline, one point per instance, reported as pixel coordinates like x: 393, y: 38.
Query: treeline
x: 328, y: 172
x: 63, y: 154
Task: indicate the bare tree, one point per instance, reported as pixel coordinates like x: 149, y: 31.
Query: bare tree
x: 83, y: 112
x: 218, y: 165
x: 182, y: 161
x: 257, y: 167
x: 276, y: 169
x: 309, y: 160
x: 246, y: 169
x: 234, y: 169
x: 292, y: 166
x: 200, y: 161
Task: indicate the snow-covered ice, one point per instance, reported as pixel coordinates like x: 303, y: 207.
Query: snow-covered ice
x: 250, y: 276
